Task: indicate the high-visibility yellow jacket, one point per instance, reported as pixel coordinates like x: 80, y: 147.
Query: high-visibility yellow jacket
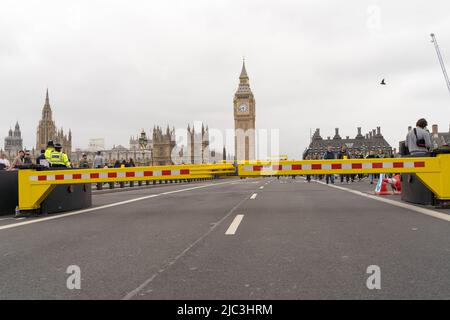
x: 66, y: 160
x: 58, y: 158
x: 48, y: 153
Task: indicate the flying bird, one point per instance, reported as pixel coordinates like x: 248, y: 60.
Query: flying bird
x: 383, y: 82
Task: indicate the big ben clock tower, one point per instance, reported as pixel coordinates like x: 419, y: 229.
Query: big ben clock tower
x: 244, y: 119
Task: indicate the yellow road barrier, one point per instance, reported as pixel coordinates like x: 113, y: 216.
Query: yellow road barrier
x: 434, y: 172
x: 34, y: 186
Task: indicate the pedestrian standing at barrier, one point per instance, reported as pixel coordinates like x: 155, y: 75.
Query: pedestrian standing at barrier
x: 111, y: 184
x: 27, y: 159
x: 343, y: 154
x: 41, y: 160
x: 59, y: 159
x: 99, y: 161
x: 359, y: 155
x: 329, y: 155
x: 317, y: 156
x: 18, y: 161
x: 124, y: 164
x: 371, y: 155
x: 118, y: 164
x: 352, y: 155
x: 4, y: 163
x: 418, y: 140
x: 84, y: 163
x: 131, y: 165
x: 308, y: 176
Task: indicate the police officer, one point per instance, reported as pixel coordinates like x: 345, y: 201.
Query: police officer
x: 48, y: 151
x: 59, y: 158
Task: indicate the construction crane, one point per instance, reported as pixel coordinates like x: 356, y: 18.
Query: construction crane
x: 441, y: 61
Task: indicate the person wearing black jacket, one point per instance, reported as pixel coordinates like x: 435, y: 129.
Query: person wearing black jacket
x: 41, y: 157
x: 329, y: 155
x: 358, y: 155
x: 371, y: 155
x: 343, y: 154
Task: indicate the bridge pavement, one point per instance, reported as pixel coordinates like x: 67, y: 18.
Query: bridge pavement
x: 291, y: 240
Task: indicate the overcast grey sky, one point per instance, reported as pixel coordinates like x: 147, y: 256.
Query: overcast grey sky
x: 115, y: 67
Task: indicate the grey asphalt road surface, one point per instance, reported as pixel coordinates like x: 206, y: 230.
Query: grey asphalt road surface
x: 229, y: 239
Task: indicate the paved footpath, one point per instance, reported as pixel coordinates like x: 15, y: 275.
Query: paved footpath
x: 230, y: 239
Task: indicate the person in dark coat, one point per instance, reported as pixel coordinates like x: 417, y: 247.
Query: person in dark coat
x: 343, y: 154
x: 84, y: 163
x: 371, y: 155
x: 41, y: 157
x: 329, y: 155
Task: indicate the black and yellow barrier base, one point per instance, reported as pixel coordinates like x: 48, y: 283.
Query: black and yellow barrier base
x: 61, y: 198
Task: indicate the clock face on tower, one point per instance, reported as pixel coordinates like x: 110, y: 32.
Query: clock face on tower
x: 243, y: 108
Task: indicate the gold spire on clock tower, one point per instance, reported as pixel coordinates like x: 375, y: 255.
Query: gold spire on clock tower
x: 244, y: 119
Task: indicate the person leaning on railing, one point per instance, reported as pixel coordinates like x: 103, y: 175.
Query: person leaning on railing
x: 18, y: 161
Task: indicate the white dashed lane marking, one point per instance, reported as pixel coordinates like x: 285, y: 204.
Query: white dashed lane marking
x: 234, y: 225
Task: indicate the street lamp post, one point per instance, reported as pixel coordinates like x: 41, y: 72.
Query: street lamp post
x: 143, y: 144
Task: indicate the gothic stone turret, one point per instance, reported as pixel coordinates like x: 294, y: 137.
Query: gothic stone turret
x: 163, y: 144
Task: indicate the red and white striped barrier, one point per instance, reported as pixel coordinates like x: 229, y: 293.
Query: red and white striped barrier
x: 372, y: 165
x: 113, y: 175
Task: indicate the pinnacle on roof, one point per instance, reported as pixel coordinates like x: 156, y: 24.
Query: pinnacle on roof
x: 244, y: 71
x: 47, y: 100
